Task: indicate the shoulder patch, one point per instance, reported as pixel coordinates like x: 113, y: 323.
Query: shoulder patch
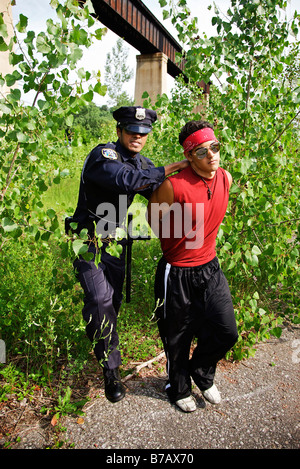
x: 109, y: 153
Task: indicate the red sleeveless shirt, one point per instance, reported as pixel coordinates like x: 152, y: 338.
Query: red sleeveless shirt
x: 189, y: 234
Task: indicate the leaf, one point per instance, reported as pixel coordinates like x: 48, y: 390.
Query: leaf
x: 120, y: 234
x: 8, y: 225
x: 65, y: 90
x: 21, y: 137
x: 69, y: 120
x: 12, y: 78
x: 166, y: 14
x: 88, y: 96
x: 254, y: 260
x: 99, y: 33
x: 22, y: 25
x: 4, y: 108
x: 256, y: 250
x: 42, y: 44
x: 64, y: 173
x: 51, y: 213
x: 80, y: 421
x: 100, y: 89
x: 114, y: 249
x: 276, y: 331
x: 79, y: 247
x: 54, y: 420
x: 84, y: 234
x: 3, y: 45
x: 75, y: 55
x: 15, y: 94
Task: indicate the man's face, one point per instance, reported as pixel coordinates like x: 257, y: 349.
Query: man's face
x: 133, y: 142
x: 209, y: 163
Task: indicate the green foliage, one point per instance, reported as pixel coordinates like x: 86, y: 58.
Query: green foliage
x: 65, y: 406
x: 40, y: 310
x: 33, y: 137
x: 92, y: 121
x: 15, y: 382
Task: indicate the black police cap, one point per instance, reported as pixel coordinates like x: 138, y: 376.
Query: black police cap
x: 135, y: 118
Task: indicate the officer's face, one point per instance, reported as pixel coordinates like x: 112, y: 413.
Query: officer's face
x: 131, y: 141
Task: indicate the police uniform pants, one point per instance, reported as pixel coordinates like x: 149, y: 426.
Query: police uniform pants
x: 102, y: 288
x: 194, y: 302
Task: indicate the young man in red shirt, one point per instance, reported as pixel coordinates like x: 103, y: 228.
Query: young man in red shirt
x: 185, y: 212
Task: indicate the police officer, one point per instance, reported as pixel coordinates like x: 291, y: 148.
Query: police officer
x: 111, y: 173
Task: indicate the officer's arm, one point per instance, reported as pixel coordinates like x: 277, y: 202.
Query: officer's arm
x: 169, y: 169
x: 114, y: 174
x: 159, y: 205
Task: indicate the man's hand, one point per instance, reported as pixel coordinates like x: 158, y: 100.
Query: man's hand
x: 174, y: 167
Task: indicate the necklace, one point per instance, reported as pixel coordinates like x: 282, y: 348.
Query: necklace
x: 209, y: 190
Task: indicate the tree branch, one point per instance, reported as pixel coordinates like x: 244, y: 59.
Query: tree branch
x: 286, y: 127
x: 39, y: 88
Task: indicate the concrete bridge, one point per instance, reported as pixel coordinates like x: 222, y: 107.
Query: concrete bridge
x: 134, y: 22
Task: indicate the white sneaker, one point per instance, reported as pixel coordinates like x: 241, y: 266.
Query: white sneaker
x: 187, y: 404
x: 212, y: 395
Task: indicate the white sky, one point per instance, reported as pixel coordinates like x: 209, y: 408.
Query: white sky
x: 38, y: 11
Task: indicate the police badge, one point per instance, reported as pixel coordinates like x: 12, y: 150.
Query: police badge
x: 140, y: 113
x: 109, y: 153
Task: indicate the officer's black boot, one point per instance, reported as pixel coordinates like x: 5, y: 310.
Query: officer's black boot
x: 114, y: 389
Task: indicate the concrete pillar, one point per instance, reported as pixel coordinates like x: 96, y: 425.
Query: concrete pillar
x: 151, y: 76
x: 5, y: 67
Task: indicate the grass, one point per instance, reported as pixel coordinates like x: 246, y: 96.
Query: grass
x: 63, y: 197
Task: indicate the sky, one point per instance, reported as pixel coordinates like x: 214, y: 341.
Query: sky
x: 38, y: 11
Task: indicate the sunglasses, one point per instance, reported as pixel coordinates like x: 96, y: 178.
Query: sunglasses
x: 202, y: 152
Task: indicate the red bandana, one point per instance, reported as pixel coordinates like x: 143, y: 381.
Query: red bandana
x: 198, y: 137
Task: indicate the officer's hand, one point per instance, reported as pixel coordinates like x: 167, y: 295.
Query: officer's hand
x: 183, y: 164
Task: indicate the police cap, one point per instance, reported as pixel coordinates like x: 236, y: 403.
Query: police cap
x: 135, y: 118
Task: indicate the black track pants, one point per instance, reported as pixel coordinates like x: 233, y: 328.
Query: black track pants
x: 195, y: 302
x: 102, y: 288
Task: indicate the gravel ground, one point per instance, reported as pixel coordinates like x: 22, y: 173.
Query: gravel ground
x: 259, y: 410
